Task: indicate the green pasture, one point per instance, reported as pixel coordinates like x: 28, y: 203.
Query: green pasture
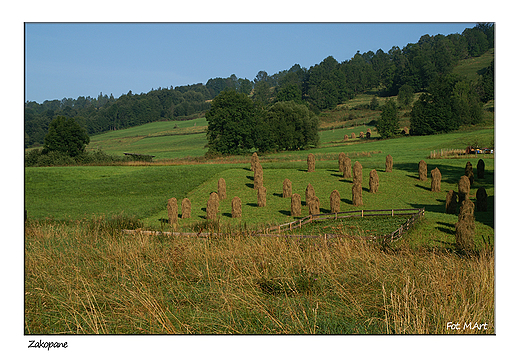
x: 143, y: 191
x: 164, y: 140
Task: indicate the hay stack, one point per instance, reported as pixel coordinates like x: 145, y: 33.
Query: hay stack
x: 389, y: 164
x: 221, y: 189
x: 347, y: 173
x: 480, y: 169
x: 357, y: 192
x: 287, y: 188
x: 261, y: 197
x: 186, y: 208
x: 369, y: 134
x: 465, y: 227
x: 172, y: 211
x: 436, y: 180
x: 314, y: 206
x: 481, y: 199
x: 373, y: 181
x: 464, y: 187
x: 353, y: 135
x: 254, y: 161
x: 405, y: 131
x: 236, y: 207
x: 468, y: 171
x: 341, y: 162
x: 309, y: 193
x: 451, y: 202
x: 335, y: 201
x: 361, y: 134
x: 311, y: 163
x: 423, y: 171
x: 258, y: 177
x: 358, y: 174
x: 296, y: 205
x: 212, y: 207
x: 345, y: 137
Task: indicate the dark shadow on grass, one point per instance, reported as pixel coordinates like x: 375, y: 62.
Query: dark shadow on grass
x: 249, y: 185
x: 428, y: 188
x: 280, y: 195
x: 250, y: 177
x: 228, y: 215
x: 254, y: 205
x: 163, y: 221
x: 285, y: 212
x: 446, y: 228
x: 450, y: 173
x: 336, y: 174
x: 347, y: 201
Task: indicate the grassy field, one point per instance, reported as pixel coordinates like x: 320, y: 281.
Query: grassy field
x: 164, y: 140
x: 83, y: 275
x: 92, y: 279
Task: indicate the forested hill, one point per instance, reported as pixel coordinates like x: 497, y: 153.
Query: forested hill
x: 322, y: 86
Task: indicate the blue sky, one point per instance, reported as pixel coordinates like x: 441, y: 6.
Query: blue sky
x: 84, y: 59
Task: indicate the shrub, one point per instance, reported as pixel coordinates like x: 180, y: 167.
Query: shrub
x: 480, y: 169
x: 341, y: 162
x: 309, y: 193
x: 451, y: 202
x: 335, y: 201
x: 436, y: 180
x: 221, y: 189
x: 465, y: 227
x: 172, y: 211
x: 347, y: 173
x: 236, y: 207
x: 296, y: 205
x: 373, y: 181
x: 464, y: 187
x: 258, y: 177
x: 254, y: 161
x: 468, y: 171
x: 287, y: 188
x: 212, y: 207
x: 358, y: 174
x: 261, y: 197
x: 186, y: 208
x: 423, y: 171
x: 389, y: 163
x: 314, y: 206
x: 357, y: 192
x: 481, y: 199
x: 311, y: 163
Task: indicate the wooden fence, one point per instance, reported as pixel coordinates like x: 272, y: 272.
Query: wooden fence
x: 279, y: 229
x: 416, y: 213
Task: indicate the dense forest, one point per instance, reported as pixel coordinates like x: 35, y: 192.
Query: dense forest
x: 322, y: 86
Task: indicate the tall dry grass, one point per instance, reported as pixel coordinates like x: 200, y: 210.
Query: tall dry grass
x: 88, y: 279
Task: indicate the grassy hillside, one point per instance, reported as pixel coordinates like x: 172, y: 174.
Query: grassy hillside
x: 470, y: 67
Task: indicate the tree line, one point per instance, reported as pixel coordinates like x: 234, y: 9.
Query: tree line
x: 416, y: 66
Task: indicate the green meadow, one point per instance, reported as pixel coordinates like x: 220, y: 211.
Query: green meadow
x: 142, y: 191
x: 85, y: 275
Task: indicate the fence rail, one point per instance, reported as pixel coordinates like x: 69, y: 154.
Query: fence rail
x: 277, y: 230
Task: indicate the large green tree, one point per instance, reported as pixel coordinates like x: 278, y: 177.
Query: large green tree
x: 388, y: 125
x: 451, y: 101
x: 287, y: 126
x: 231, y: 123
x: 65, y: 136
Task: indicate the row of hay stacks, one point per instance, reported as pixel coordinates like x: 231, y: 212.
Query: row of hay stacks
x: 355, y: 172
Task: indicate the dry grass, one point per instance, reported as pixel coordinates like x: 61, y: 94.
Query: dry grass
x: 85, y: 279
